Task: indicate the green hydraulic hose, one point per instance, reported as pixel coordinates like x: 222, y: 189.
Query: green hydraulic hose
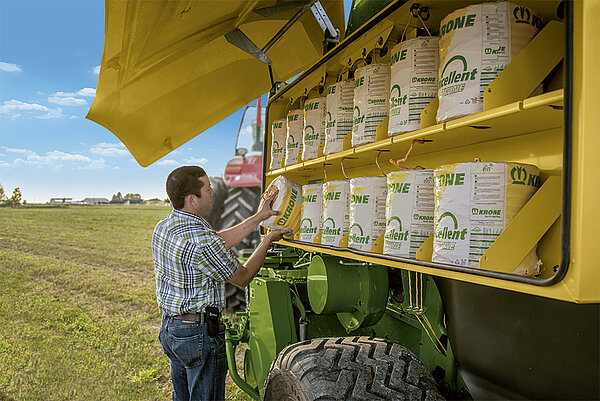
x: 241, y: 383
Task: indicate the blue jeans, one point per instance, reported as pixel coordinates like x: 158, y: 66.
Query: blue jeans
x: 198, y: 361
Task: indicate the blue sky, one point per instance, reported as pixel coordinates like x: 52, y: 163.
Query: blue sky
x: 50, y: 53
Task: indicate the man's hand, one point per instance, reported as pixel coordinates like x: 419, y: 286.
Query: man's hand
x: 243, y: 275
x: 266, y: 210
x: 234, y: 235
x: 276, y: 235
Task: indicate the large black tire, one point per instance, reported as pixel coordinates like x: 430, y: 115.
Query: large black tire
x: 349, y: 368
x: 230, y: 207
x: 218, y: 202
x: 240, y: 204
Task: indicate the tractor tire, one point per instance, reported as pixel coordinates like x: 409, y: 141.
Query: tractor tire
x: 235, y: 298
x: 349, y: 368
x: 241, y: 203
x: 230, y: 207
x: 218, y: 202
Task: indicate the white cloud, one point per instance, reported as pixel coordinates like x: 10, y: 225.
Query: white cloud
x: 14, y: 150
x: 81, y: 92
x: 167, y: 162
x: 73, y: 117
x: 51, y: 114
x: 2, y: 155
x: 97, y: 70
x: 55, y: 159
x: 67, y: 101
x: 64, y: 94
x: 13, y: 105
x: 14, y: 108
x: 109, y: 149
x: 116, y: 168
x: 87, y: 92
x: 195, y: 160
x: 8, y: 67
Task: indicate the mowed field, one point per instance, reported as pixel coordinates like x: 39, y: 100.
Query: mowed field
x: 78, y: 314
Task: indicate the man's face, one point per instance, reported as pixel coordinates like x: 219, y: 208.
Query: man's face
x: 204, y: 201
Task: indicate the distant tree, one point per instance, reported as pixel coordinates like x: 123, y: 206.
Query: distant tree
x: 2, y: 194
x: 167, y: 200
x: 133, y: 198
x: 16, y: 197
x: 117, y: 198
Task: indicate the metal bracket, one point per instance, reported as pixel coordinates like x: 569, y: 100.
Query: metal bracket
x: 332, y: 35
x: 243, y: 42
x: 239, y: 39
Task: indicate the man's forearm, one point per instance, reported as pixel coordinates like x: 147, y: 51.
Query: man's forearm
x: 234, y: 235
x: 245, y: 273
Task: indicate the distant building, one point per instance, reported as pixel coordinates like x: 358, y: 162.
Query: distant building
x: 60, y: 201
x: 95, y: 201
x: 154, y: 202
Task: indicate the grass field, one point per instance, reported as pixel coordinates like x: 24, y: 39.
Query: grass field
x: 78, y: 314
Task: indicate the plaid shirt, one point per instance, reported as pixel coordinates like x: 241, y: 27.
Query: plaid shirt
x: 191, y: 264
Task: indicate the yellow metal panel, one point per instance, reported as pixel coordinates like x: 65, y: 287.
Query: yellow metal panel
x: 425, y: 251
x: 584, y: 263
x: 377, y: 246
x: 525, y: 230
x: 429, y: 113
x: 168, y: 73
x: 557, y: 291
x: 374, y: 38
x: 527, y: 69
x: 526, y: 130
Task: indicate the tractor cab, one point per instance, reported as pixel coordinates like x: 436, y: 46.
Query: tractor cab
x: 245, y: 169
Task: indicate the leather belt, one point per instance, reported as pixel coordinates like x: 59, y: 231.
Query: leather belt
x: 191, y: 317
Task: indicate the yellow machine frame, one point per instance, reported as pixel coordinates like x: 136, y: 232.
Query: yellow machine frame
x: 512, y: 127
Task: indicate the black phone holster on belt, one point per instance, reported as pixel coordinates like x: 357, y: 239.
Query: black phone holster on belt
x: 213, y: 318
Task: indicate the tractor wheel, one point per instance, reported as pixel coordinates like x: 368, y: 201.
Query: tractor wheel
x: 235, y: 298
x: 348, y: 368
x: 240, y: 204
x: 218, y: 203
x: 230, y: 207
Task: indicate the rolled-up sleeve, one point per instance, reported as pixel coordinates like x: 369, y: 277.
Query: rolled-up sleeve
x: 213, y: 258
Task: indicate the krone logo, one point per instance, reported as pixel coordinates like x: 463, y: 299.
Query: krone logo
x: 522, y: 15
x: 518, y: 175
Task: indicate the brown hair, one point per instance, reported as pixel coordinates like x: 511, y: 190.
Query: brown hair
x: 184, y: 181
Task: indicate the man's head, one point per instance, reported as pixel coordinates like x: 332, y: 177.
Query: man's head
x: 189, y: 189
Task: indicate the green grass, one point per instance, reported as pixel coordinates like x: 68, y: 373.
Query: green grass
x: 78, y: 314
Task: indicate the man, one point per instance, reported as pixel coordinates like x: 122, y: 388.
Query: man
x: 192, y: 263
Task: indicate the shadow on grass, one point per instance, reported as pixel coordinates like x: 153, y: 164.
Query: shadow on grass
x: 4, y: 397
